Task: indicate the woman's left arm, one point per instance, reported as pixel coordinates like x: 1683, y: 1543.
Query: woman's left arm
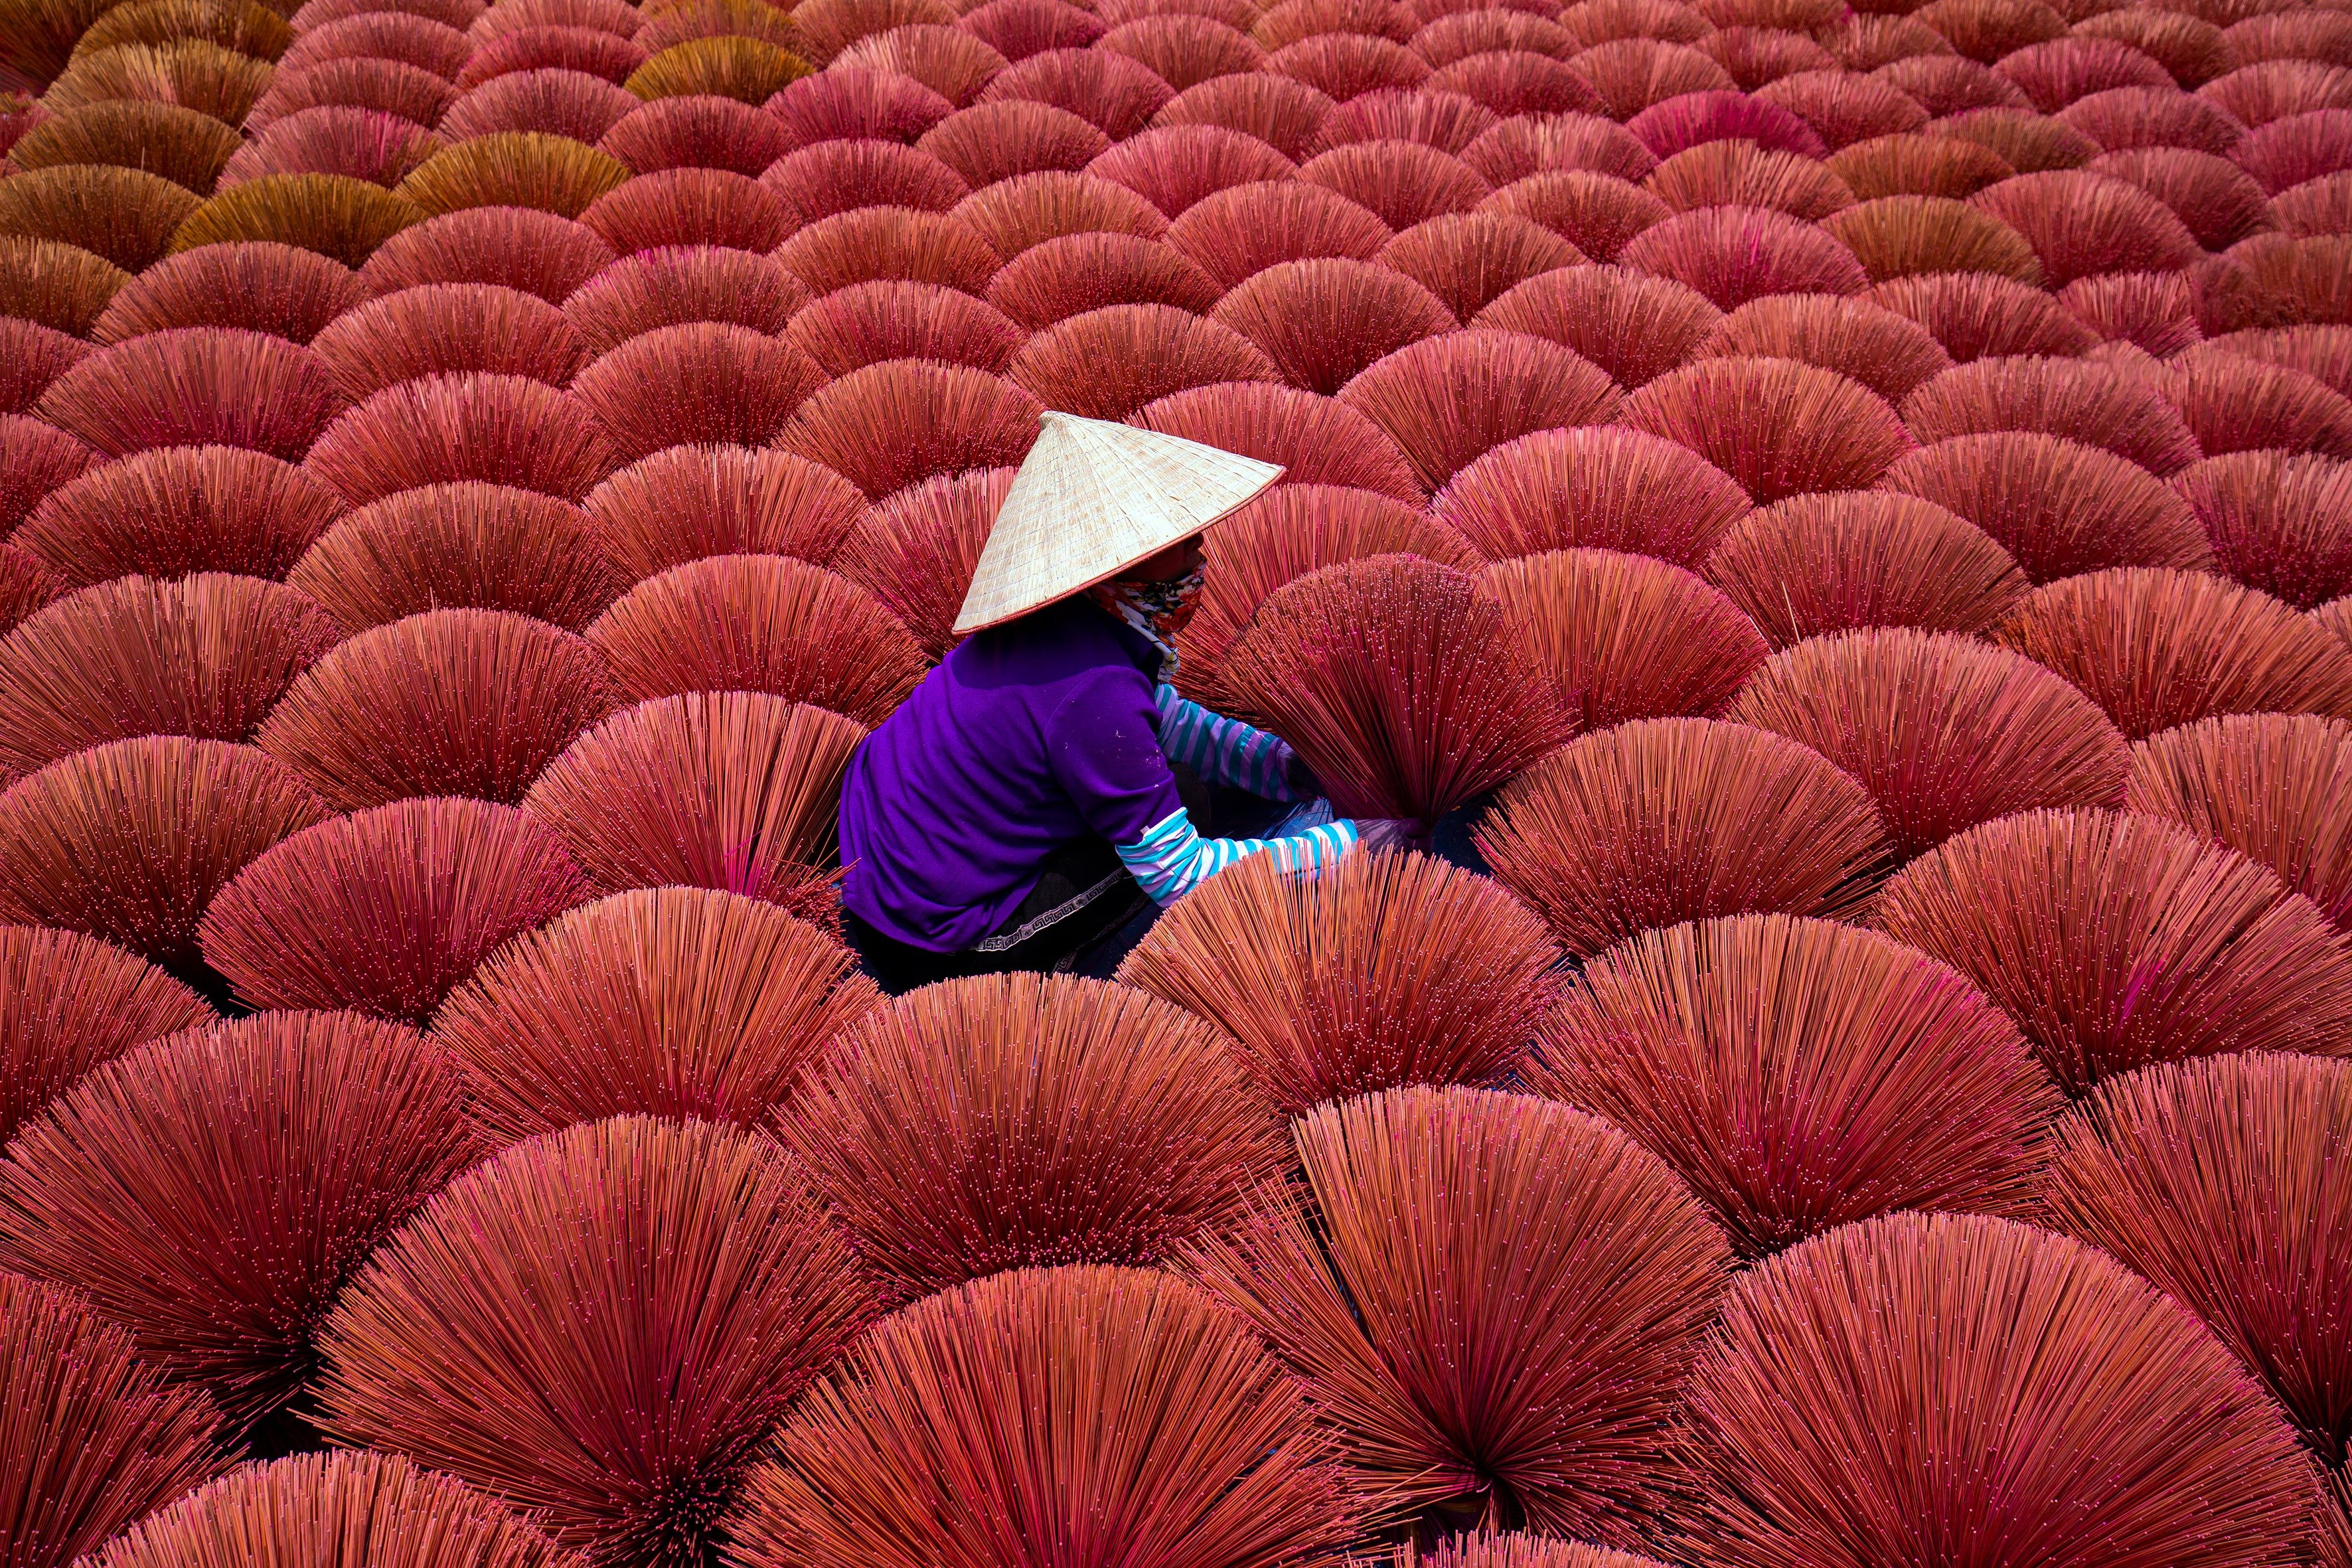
x: 1223, y: 751
x: 1171, y: 858
x: 1106, y: 743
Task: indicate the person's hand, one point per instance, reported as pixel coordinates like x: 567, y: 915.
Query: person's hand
x: 1391, y: 833
x: 1300, y: 778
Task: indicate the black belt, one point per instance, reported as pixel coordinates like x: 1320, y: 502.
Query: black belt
x: 1084, y: 894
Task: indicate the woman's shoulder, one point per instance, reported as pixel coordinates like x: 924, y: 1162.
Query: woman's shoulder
x: 1063, y: 641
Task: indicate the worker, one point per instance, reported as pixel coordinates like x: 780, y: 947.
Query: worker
x: 1020, y: 811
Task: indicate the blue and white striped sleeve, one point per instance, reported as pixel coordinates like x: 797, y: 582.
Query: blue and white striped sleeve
x: 1170, y: 859
x: 1221, y: 749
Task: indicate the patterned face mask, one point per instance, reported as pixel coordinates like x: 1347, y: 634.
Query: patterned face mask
x: 1158, y: 610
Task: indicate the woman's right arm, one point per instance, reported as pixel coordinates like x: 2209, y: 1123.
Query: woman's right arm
x: 1104, y: 739
x: 1223, y: 751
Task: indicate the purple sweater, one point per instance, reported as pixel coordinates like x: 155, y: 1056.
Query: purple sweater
x: 1030, y: 735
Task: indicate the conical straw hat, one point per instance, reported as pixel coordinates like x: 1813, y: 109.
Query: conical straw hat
x: 1093, y: 498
